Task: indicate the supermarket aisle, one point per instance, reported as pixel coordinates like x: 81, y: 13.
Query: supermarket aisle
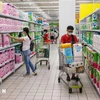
x: 44, y: 86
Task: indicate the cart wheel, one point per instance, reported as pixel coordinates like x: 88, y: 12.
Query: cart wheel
x: 46, y: 62
x: 40, y: 62
x: 49, y: 68
x: 58, y: 79
x: 68, y: 78
x: 70, y: 90
x: 59, y: 67
x: 80, y: 90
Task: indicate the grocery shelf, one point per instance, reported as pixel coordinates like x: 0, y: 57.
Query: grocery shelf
x: 91, y: 47
x: 5, y: 32
x: 35, y: 30
x: 19, y: 19
x: 96, y: 11
x: 12, y: 45
x: 8, y: 74
x: 16, y: 67
x: 90, y: 30
x: 98, y: 91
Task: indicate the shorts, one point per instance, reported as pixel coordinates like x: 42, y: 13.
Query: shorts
x: 52, y: 37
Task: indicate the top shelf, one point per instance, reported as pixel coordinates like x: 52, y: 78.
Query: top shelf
x: 96, y: 11
x: 90, y: 30
x: 19, y: 19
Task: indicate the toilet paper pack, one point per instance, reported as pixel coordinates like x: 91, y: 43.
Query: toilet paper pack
x: 77, y: 52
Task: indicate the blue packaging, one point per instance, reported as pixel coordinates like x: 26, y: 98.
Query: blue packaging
x: 68, y: 54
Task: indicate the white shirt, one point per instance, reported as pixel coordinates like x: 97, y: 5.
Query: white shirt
x: 26, y: 43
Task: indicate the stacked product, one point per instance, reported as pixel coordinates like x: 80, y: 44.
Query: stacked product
x: 92, y: 65
x: 87, y: 37
x: 7, y: 62
x: 40, y: 20
x: 96, y: 41
x: 91, y: 23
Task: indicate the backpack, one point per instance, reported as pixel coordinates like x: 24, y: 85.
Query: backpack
x: 31, y: 46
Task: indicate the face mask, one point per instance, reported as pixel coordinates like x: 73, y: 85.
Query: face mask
x: 69, y: 33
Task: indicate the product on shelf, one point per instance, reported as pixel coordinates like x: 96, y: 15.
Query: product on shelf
x: 12, y: 53
x: 12, y: 65
x: 30, y: 16
x: 2, y: 73
x: 6, y: 40
x: 18, y: 58
x: 0, y: 7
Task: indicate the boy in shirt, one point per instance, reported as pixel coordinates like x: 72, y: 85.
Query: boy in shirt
x: 69, y: 38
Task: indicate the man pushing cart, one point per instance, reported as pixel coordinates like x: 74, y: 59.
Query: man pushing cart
x: 69, y: 61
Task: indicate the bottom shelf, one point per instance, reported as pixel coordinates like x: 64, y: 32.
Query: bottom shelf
x: 16, y: 67
x: 98, y: 90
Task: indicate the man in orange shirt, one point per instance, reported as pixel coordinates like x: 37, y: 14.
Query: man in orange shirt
x: 69, y: 38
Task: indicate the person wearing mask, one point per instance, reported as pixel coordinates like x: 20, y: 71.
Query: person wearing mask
x: 45, y: 36
x: 69, y: 38
x: 26, y: 40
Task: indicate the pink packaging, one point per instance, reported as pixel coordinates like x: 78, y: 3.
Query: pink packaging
x: 12, y: 65
x: 5, y: 8
x: 18, y: 58
x: 12, y: 53
x: 6, y: 68
x: 7, y: 55
x: 6, y: 40
x: 1, y: 59
x: 0, y: 40
x: 2, y: 72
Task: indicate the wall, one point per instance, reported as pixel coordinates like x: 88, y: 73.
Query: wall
x: 66, y: 15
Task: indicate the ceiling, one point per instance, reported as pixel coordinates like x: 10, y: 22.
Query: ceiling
x: 48, y: 9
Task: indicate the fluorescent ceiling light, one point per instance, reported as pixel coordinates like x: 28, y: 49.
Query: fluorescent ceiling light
x: 34, y: 2
x: 39, y: 6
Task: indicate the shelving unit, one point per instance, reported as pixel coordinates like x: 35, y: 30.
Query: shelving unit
x: 33, y: 30
x: 90, y: 36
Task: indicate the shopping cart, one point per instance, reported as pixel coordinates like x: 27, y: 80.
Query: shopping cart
x: 66, y: 71
x: 43, y: 53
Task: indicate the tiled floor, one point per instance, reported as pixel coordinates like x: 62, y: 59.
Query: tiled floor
x: 45, y: 85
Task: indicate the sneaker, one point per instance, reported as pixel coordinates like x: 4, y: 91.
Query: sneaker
x: 26, y: 75
x: 34, y: 73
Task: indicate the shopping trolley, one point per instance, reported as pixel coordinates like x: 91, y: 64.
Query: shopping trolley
x: 66, y: 71
x: 43, y: 54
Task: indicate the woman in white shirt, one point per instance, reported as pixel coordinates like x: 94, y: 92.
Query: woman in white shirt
x: 25, y: 50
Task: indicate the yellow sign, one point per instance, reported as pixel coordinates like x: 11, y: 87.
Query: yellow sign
x: 77, y: 18
x: 86, y: 9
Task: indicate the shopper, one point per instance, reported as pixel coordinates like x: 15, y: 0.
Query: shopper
x: 69, y: 38
x: 45, y: 36
x: 26, y: 40
x: 52, y: 36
